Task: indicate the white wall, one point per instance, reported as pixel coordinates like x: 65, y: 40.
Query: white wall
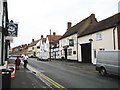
x: 1, y: 11
x: 106, y: 42
x: 65, y: 41
x: 0, y: 45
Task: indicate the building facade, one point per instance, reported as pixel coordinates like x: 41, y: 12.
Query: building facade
x: 104, y: 35
x: 69, y: 41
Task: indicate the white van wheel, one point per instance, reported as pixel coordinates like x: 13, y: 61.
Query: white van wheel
x: 102, y: 71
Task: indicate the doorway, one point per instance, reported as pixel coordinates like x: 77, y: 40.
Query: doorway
x: 65, y: 52
x: 86, y: 52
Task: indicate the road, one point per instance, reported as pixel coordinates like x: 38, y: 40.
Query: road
x: 70, y: 77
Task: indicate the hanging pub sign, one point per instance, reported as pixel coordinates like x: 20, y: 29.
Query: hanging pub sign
x: 12, y: 29
x: 71, y: 42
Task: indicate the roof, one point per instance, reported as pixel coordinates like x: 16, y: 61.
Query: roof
x: 102, y: 25
x: 43, y: 39
x: 53, y: 38
x: 81, y: 26
x: 34, y: 43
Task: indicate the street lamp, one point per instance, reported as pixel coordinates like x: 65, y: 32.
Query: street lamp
x: 50, y: 44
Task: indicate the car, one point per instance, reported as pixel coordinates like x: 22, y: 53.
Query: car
x: 108, y: 62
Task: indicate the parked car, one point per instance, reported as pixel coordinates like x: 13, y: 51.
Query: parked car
x: 108, y: 62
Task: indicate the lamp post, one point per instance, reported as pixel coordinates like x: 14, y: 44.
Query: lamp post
x: 50, y: 44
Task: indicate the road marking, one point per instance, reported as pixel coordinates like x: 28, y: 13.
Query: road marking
x: 57, y: 85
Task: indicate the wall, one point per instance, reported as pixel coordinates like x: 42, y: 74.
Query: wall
x: 65, y: 42
x: 106, y: 43
x: 1, y: 11
x: 0, y: 46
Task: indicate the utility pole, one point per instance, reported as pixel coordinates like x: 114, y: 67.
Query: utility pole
x: 50, y: 44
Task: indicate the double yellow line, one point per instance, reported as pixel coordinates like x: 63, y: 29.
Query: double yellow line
x: 57, y: 85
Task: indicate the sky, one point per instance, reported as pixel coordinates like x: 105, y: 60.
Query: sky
x: 37, y: 17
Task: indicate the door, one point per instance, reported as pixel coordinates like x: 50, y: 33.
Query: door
x: 86, y: 52
x: 65, y: 51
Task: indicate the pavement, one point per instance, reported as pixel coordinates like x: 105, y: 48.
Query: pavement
x: 25, y: 78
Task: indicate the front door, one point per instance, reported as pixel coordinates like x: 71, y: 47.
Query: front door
x: 86, y: 52
x: 65, y: 51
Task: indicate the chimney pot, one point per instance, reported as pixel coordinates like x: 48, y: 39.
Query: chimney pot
x: 54, y: 33
x: 32, y: 40
x: 41, y: 36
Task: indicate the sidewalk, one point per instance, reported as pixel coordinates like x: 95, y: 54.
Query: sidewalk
x: 26, y: 79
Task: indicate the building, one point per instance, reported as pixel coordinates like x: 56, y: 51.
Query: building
x: 42, y: 52
x: 104, y: 35
x: 4, y: 43
x: 69, y: 42
x: 51, y: 45
x: 32, y: 48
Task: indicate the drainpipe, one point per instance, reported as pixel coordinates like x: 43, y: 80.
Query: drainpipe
x: 114, y: 38
x: 77, y: 49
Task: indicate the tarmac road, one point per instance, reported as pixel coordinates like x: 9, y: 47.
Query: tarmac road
x: 69, y: 76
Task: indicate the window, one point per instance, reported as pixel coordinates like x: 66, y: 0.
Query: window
x: 32, y: 48
x: 94, y: 53
x: 71, y: 42
x: 101, y: 49
x: 74, y: 52
x: 69, y: 52
x: 38, y: 47
x: 99, y: 36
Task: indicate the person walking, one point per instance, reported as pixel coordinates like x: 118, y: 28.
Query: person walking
x: 17, y: 63
x: 25, y: 58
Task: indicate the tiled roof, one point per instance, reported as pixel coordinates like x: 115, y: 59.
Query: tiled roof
x: 43, y: 39
x: 34, y: 43
x: 102, y: 25
x: 53, y: 38
x: 81, y: 26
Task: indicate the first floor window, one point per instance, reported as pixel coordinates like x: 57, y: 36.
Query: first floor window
x: 71, y: 42
x: 98, y: 36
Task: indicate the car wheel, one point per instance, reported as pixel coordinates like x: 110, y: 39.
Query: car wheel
x: 103, y: 71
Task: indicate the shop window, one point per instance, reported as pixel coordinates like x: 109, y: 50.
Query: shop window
x: 69, y: 52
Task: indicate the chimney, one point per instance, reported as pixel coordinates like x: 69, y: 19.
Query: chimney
x: 32, y: 40
x: 69, y: 24
x: 54, y: 33
x: 93, y: 19
x: 41, y: 36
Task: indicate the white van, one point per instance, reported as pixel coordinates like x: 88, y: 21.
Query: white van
x: 108, y: 62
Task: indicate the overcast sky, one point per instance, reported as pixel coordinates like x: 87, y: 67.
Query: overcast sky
x: 37, y: 17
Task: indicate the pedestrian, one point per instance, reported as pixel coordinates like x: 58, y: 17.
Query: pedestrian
x: 17, y: 63
x: 25, y: 60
